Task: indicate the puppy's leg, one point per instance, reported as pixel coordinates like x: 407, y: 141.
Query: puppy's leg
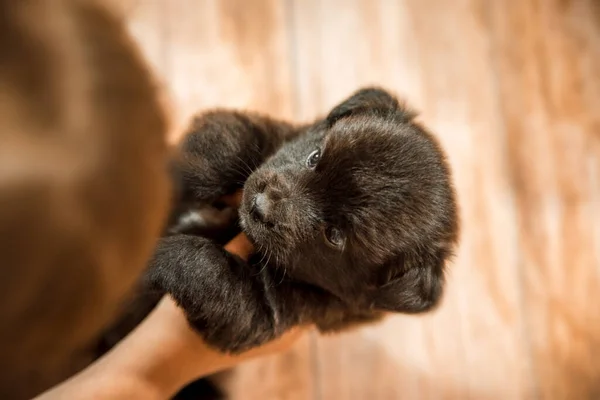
x: 221, y: 149
x: 235, y: 306
x: 224, y: 299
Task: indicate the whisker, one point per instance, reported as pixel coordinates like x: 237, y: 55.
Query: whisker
x: 241, y: 170
x: 249, y: 169
x: 267, y: 263
x: 262, y: 257
x: 283, y: 275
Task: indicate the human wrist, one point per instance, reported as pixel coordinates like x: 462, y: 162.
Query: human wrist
x: 164, y: 353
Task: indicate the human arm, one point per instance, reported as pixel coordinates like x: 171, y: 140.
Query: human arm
x: 160, y: 356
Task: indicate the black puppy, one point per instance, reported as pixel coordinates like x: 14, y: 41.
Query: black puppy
x: 351, y: 217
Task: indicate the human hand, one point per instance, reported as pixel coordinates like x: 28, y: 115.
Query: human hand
x: 185, y: 350
x: 163, y: 353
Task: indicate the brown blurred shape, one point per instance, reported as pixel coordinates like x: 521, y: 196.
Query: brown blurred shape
x: 83, y: 189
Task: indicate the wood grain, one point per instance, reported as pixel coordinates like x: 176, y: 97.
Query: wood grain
x: 512, y: 91
x: 548, y: 54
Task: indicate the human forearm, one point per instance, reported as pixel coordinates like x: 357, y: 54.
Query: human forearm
x: 159, y: 357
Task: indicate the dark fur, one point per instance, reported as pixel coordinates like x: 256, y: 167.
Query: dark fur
x: 382, y: 180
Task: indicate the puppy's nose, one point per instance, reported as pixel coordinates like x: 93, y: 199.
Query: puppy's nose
x: 261, y: 206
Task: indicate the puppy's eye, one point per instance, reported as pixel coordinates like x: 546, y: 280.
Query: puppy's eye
x: 313, y: 158
x: 334, y: 237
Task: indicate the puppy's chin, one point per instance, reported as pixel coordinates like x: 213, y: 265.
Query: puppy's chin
x: 250, y: 227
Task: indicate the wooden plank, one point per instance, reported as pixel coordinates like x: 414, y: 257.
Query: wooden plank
x: 549, y: 58
x: 148, y: 24
x: 437, y: 55
x: 230, y: 53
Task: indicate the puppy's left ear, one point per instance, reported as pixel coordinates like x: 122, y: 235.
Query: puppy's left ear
x: 418, y: 289
x: 368, y: 100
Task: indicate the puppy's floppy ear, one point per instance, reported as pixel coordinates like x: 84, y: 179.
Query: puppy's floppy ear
x: 417, y: 289
x: 368, y: 100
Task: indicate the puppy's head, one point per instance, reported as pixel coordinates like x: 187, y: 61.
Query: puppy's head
x: 361, y: 206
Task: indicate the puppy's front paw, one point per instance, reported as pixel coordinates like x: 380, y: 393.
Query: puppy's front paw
x: 223, y: 299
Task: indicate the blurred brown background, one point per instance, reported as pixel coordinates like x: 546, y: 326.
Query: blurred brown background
x: 512, y: 89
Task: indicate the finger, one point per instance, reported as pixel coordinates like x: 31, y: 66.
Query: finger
x: 241, y: 246
x: 233, y: 200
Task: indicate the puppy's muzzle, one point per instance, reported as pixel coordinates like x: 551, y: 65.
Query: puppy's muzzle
x: 266, y: 204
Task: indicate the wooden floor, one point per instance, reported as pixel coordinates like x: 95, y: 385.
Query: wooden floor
x: 512, y: 89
